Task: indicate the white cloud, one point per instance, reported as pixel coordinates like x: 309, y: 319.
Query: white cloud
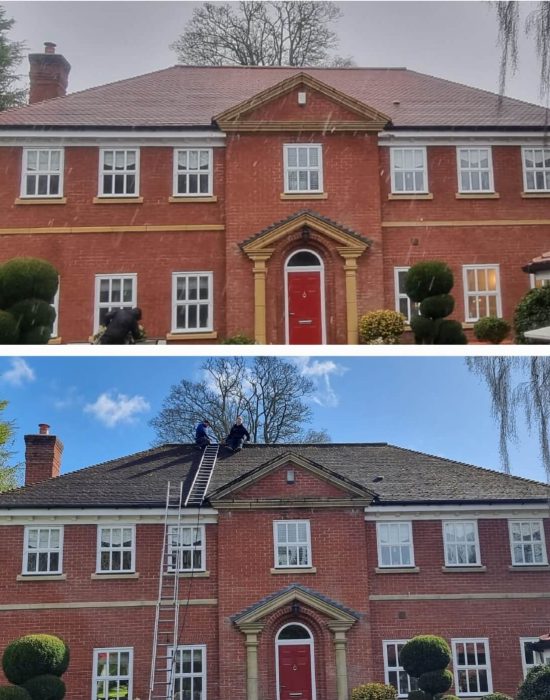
x: 320, y: 372
x: 113, y: 409
x: 19, y: 373
x: 69, y: 399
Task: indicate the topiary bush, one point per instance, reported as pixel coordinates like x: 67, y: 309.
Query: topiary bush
x: 13, y: 692
x: 495, y: 696
x: 239, y: 339
x: 418, y: 695
x: 532, y: 312
x: 34, y: 655
x: 436, y: 682
x: 423, y: 654
x: 374, y: 691
x: 381, y: 327
x: 428, y: 279
x: 492, y: 329
x: 9, y: 330
x: 536, y: 685
x: 45, y: 687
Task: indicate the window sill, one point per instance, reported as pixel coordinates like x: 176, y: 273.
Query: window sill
x: 182, y: 335
x: 55, y: 341
x: 463, y: 569
x: 41, y: 200
x: 104, y: 576
x: 412, y: 195
x: 535, y: 195
x: 397, y: 570
x: 192, y: 574
x: 295, y: 570
x: 304, y: 195
x: 185, y: 200
x: 532, y: 567
x: 42, y: 577
x: 477, y: 195
x: 117, y: 200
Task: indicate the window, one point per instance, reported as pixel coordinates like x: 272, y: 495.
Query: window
x: 113, y: 292
x: 115, y: 549
x: 43, y: 552
x: 481, y: 291
x: 475, y: 170
x: 112, y: 674
x: 190, y: 673
x: 461, y: 543
x: 292, y: 543
x: 472, y: 667
x: 529, y: 658
x: 189, y: 546
x: 55, y: 305
x: 395, y: 546
x: 408, y: 170
x: 402, y: 302
x: 536, y: 169
x: 192, y: 301
x: 527, y: 542
x: 118, y: 173
x: 193, y: 172
x: 42, y: 174
x: 303, y: 168
x: 394, y: 673
x: 540, y: 279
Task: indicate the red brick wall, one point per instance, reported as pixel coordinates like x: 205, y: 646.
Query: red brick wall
x: 274, y: 485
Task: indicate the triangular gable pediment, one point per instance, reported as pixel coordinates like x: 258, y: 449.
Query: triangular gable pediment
x: 346, y: 114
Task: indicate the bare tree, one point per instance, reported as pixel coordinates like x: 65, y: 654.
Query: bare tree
x: 11, y: 55
x: 516, y: 384
x: 8, y: 473
x: 268, y: 392
x: 261, y: 34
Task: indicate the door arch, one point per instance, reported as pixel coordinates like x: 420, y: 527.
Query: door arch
x: 295, y: 663
x: 304, y: 298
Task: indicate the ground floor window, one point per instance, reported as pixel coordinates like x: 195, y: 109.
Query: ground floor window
x: 112, y: 674
x: 113, y: 292
x: 394, y: 673
x: 402, y: 302
x: 192, y: 301
x: 190, y: 673
x: 481, y: 292
x: 540, y: 279
x: 472, y: 667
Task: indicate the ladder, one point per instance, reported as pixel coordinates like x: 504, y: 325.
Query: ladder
x: 202, y: 478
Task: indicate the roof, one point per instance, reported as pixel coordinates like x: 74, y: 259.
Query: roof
x: 538, y: 264
x: 139, y: 480
x: 187, y: 96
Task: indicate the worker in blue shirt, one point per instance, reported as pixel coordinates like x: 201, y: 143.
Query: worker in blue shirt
x: 202, y: 439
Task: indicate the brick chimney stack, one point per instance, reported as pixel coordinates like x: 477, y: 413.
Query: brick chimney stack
x: 49, y: 74
x: 42, y: 456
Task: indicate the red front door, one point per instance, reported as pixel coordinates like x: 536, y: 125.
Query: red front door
x: 304, y: 308
x: 295, y: 672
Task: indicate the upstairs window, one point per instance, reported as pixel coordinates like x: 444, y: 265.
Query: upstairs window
x: 409, y: 171
x: 303, y: 168
x: 472, y: 667
x: 481, y: 291
x: 527, y: 542
x: 43, y: 550
x: 193, y: 172
x: 395, y: 546
x: 186, y: 546
x: 292, y: 543
x: 112, y: 677
x: 192, y: 302
x: 394, y: 673
x: 116, y: 549
x: 113, y: 292
x: 42, y: 172
x: 461, y: 543
x: 118, y: 173
x: 536, y: 169
x: 475, y: 170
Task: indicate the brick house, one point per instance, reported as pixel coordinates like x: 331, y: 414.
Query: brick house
x: 302, y: 573
x: 277, y: 202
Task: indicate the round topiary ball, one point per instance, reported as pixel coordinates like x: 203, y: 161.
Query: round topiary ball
x: 536, y: 685
x: 13, y: 692
x: 34, y: 655
x: 27, y: 278
x: 436, y: 682
x: 427, y: 279
x: 532, y: 312
x: 423, y: 654
x: 45, y: 687
x: 418, y: 695
x: 40, y: 335
x: 9, y: 330
x: 492, y: 329
x: 374, y: 691
x: 450, y: 333
x: 424, y: 330
x: 496, y: 696
x: 437, y: 306
x: 31, y: 313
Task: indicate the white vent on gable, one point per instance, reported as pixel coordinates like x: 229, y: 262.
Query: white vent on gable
x: 302, y: 98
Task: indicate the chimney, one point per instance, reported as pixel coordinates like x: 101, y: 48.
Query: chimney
x: 42, y: 456
x: 49, y: 74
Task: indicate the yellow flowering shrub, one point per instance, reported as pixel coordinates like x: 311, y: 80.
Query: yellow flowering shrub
x: 382, y: 327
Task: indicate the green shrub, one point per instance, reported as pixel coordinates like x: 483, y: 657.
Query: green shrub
x: 450, y: 333
x: 27, y: 278
x: 428, y: 279
x: 492, y: 330
x: 454, y: 697
x: 536, y: 685
x: 383, y: 326
x: 437, y: 306
x: 532, y: 312
x: 31, y: 313
x: 45, y: 687
x: 496, y: 696
x: 423, y: 654
x: 374, y: 691
x: 36, y: 336
x: 239, y: 339
x: 34, y: 655
x: 13, y: 692
x: 9, y: 330
x: 436, y: 682
x: 418, y: 695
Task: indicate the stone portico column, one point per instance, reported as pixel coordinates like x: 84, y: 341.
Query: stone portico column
x: 340, y: 642
x: 260, y: 272
x: 352, y: 318
x: 252, y: 631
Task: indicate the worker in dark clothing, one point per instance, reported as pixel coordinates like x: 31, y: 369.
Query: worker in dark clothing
x: 237, y: 435
x: 122, y: 325
x: 202, y: 439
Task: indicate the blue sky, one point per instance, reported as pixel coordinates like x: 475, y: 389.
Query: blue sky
x: 100, y: 407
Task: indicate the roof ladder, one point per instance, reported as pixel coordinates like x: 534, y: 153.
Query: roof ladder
x: 165, y: 639
x: 200, y: 484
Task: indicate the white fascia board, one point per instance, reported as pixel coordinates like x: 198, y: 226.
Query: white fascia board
x: 86, y: 137
x: 460, y: 138
x: 427, y: 512
x: 83, y: 516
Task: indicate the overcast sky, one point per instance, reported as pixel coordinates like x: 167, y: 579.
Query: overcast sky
x: 108, y: 41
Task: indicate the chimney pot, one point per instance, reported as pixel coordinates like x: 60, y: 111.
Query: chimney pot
x: 43, y: 429
x: 49, y: 47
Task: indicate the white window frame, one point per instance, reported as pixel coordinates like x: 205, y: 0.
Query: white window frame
x: 397, y: 524
x: 55, y: 304
x: 124, y: 172
x: 487, y: 666
x: 411, y: 682
x: 48, y: 550
x: 109, y: 305
x: 398, y: 295
x: 444, y: 524
x: 308, y: 168
x: 468, y: 293
x: 49, y: 172
x: 131, y: 549
x: 540, y: 522
x: 489, y: 170
x: 209, y: 172
x: 525, y: 666
x: 98, y: 679
x: 535, y: 170
x: 202, y: 674
x: 424, y: 169
x: 542, y: 275
x: 276, y: 544
x: 196, y: 302
x: 191, y: 548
